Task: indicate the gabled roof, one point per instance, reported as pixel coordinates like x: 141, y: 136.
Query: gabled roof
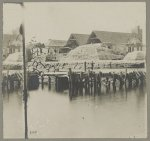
x: 7, y: 39
x: 81, y: 39
x: 112, y: 37
x: 134, y: 40
x: 56, y: 43
x: 11, y: 39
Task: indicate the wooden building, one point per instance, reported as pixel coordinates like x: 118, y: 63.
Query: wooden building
x: 11, y: 44
x: 54, y: 47
x: 77, y: 40
x: 134, y: 45
x: 109, y: 37
x: 133, y: 40
x: 15, y: 46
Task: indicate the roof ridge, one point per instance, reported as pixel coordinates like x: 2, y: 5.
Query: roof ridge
x: 57, y: 40
x: 111, y: 31
x: 79, y: 34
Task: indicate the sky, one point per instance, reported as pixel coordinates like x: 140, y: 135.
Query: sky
x: 57, y: 20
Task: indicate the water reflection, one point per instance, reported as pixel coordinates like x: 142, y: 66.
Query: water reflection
x: 52, y: 115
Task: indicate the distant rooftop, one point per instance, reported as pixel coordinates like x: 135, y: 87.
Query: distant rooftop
x: 81, y: 39
x: 112, y: 37
x: 55, y: 43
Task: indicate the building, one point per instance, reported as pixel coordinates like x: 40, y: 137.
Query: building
x: 37, y: 48
x: 118, y: 38
x: 54, y: 46
x: 15, y: 46
x: 11, y: 44
x: 77, y: 40
x: 109, y: 37
x: 134, y: 44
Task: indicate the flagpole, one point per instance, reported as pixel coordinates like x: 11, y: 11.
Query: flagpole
x: 25, y: 83
x: 25, y: 94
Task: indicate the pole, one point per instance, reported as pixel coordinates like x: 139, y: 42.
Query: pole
x: 25, y: 82
x: 85, y: 66
x: 22, y: 31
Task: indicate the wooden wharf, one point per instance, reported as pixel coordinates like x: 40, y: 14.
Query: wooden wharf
x: 81, y: 82
x: 84, y: 77
x: 92, y: 83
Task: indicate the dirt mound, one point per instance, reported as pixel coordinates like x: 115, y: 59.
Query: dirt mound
x: 92, y: 52
x: 136, y: 55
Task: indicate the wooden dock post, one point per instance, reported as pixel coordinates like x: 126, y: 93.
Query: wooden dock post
x: 85, y: 66
x: 92, y: 65
x: 137, y: 81
x: 141, y: 79
x: 88, y: 83
x: 7, y: 82
x: 71, y: 83
x: 69, y: 75
x: 125, y: 79
x: 56, y: 84
x: 114, y: 82
x: 110, y: 65
x: 95, y: 84
x: 49, y: 82
x: 80, y: 84
x: 42, y: 81
x: 99, y: 77
x: 76, y: 84
x: 121, y: 81
x: 107, y: 84
x: 91, y: 83
x: 11, y: 83
x: 130, y: 80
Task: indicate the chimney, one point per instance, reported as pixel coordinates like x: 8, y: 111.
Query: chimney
x: 138, y: 32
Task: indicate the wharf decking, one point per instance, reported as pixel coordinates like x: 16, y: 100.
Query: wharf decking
x: 86, y: 75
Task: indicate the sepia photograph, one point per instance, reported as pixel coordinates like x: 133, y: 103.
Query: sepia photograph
x: 74, y: 70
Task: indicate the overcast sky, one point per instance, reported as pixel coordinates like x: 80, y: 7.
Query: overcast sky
x: 58, y: 20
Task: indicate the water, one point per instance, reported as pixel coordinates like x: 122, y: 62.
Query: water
x: 54, y: 115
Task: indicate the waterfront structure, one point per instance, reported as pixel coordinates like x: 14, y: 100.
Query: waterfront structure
x: 53, y: 48
x: 11, y: 44
x: 37, y: 48
x: 76, y: 40
x: 133, y: 40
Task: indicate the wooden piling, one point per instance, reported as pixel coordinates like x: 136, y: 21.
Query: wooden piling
x: 8, y: 82
x: 110, y: 65
x: 114, y: 82
x: 85, y: 66
x: 121, y: 81
x: 76, y: 85
x: 91, y: 84
x: 125, y: 79
x: 95, y: 84
x: 92, y: 65
x: 99, y: 82
x: 141, y: 79
x: 80, y: 85
x: 49, y: 82
x: 107, y: 84
x: 56, y: 84
x: 42, y: 81
x: 87, y: 83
